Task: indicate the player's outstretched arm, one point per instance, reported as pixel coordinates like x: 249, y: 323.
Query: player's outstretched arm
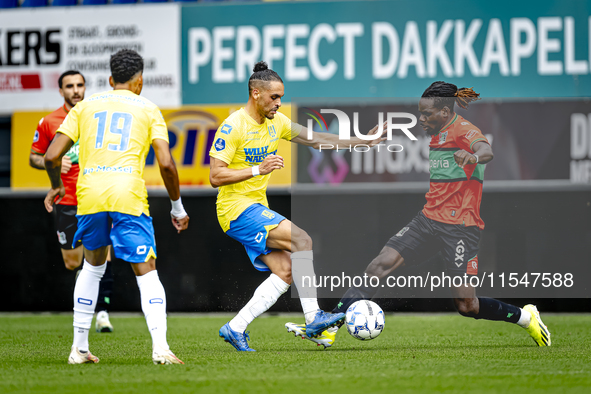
x: 482, y: 154
x: 331, y: 141
x: 221, y: 175
x: 53, y: 165
x: 170, y: 176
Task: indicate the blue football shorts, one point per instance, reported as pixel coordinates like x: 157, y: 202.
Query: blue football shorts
x: 132, y: 237
x: 251, y: 229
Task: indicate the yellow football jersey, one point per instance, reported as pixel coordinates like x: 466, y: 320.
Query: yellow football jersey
x: 241, y: 142
x: 115, y: 130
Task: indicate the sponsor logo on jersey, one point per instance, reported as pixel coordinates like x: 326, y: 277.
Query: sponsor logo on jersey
x: 472, y: 268
x: 141, y: 249
x: 220, y: 144
x: 226, y: 129
x: 464, y: 123
x: 442, y: 137
x: 471, y: 134
x: 101, y: 168
x: 257, y: 155
x: 36, y: 136
x: 438, y: 163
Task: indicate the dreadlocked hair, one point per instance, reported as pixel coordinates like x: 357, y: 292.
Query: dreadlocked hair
x: 262, y: 74
x: 447, y: 94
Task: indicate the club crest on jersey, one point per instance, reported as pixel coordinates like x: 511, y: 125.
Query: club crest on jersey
x: 220, y: 144
x: 471, y: 134
x: 472, y: 268
x: 272, y: 131
x: 442, y: 137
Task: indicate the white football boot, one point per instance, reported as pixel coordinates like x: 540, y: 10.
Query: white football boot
x: 325, y: 339
x: 102, y: 322
x: 161, y: 356
x: 78, y: 357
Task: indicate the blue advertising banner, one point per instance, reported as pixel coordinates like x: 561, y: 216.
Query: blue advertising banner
x: 376, y: 49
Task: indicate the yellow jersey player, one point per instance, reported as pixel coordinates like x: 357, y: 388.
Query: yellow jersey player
x: 115, y: 130
x: 243, y: 156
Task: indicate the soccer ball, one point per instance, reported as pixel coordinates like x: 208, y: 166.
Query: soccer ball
x: 365, y: 320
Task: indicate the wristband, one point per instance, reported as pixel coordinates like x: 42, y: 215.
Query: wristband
x: 255, y: 171
x: 178, y: 211
x: 476, y: 156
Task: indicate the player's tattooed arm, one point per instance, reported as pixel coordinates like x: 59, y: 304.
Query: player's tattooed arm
x: 482, y: 154
x: 53, y: 165
x: 221, y: 175
x: 331, y: 141
x: 37, y: 161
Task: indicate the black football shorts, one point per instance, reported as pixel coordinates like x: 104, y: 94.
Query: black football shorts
x: 66, y: 225
x: 422, y: 238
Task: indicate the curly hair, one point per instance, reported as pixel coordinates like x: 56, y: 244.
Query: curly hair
x: 262, y: 73
x: 125, y: 64
x: 446, y: 94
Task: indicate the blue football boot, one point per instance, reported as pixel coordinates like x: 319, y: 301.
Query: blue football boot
x: 236, y: 339
x: 322, y: 321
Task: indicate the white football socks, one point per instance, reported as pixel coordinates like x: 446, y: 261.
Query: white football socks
x: 153, y: 300
x: 524, y: 319
x: 302, y: 271
x: 85, y: 297
x: 264, y: 297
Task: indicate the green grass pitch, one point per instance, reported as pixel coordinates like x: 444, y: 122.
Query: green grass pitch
x: 415, y: 354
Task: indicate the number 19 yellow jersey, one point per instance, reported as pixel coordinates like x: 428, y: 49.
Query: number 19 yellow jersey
x: 115, y: 130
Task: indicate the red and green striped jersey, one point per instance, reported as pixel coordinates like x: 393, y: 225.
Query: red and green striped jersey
x: 454, y: 193
x: 44, y: 136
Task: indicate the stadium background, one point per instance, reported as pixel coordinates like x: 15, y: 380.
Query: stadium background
x: 532, y: 59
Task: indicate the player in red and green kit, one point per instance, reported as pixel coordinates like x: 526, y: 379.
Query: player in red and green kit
x: 450, y: 222
x: 72, y: 87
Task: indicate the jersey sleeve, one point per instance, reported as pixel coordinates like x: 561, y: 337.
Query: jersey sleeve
x: 158, y: 128
x: 70, y: 126
x: 468, y: 138
x: 289, y: 129
x: 41, y: 139
x: 225, y: 143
